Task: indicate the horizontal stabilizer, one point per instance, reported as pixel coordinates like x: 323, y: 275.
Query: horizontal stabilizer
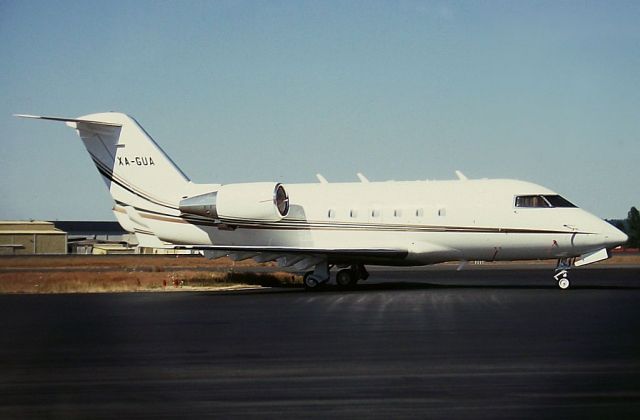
x: 62, y: 119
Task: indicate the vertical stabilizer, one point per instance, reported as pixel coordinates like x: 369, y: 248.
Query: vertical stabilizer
x: 136, y: 170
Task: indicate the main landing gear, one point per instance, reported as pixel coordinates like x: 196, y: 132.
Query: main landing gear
x: 316, y: 278
x: 350, y: 276
x: 562, y: 272
x: 345, y: 278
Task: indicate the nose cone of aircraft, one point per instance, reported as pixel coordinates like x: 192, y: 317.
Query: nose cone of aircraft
x: 614, y: 236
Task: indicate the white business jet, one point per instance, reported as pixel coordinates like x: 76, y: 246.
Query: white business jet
x: 314, y: 227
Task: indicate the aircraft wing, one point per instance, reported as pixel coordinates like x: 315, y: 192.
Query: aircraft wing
x: 365, y: 252
x: 300, y: 258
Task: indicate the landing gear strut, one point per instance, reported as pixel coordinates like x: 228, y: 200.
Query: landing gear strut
x: 562, y: 272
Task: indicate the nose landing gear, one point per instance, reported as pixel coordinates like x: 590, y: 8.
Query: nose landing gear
x: 562, y: 278
x: 562, y: 272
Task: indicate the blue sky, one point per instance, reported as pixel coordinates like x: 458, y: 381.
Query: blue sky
x: 236, y: 91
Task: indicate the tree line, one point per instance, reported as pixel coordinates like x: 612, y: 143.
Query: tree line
x: 630, y: 226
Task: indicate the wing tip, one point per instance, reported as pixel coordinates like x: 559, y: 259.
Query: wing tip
x: 27, y: 116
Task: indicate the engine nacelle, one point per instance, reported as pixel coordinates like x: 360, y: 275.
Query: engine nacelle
x: 258, y: 201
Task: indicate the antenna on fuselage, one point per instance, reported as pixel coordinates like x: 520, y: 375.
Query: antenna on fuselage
x: 322, y: 179
x: 362, y: 178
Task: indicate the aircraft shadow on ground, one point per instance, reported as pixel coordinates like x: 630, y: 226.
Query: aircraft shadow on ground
x: 408, y: 286
x: 432, y: 286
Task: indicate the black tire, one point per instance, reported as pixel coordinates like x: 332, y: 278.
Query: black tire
x: 310, y: 283
x: 346, y: 278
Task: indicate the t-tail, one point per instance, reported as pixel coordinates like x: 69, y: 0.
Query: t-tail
x: 138, y: 173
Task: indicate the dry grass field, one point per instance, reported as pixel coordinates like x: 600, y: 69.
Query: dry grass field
x: 131, y: 273
x: 95, y: 274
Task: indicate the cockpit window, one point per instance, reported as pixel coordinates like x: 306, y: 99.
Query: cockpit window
x: 557, y: 201
x: 531, y: 201
x: 542, y: 201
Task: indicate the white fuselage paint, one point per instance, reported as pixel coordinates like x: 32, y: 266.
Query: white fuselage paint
x: 435, y: 221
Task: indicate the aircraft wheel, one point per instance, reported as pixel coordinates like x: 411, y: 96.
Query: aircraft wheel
x: 310, y: 281
x: 346, y: 278
x: 563, y: 283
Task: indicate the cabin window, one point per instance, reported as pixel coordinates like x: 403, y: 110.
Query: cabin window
x: 353, y: 213
x: 375, y: 213
x: 542, y: 201
x: 419, y: 212
x: 397, y: 213
x: 442, y: 212
x: 331, y: 213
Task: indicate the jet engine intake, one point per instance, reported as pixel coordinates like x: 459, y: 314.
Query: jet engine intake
x: 258, y: 201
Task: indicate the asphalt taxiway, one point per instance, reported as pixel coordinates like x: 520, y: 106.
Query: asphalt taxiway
x: 481, y: 343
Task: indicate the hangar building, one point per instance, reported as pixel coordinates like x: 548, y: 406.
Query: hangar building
x: 93, y: 237
x: 31, y: 237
